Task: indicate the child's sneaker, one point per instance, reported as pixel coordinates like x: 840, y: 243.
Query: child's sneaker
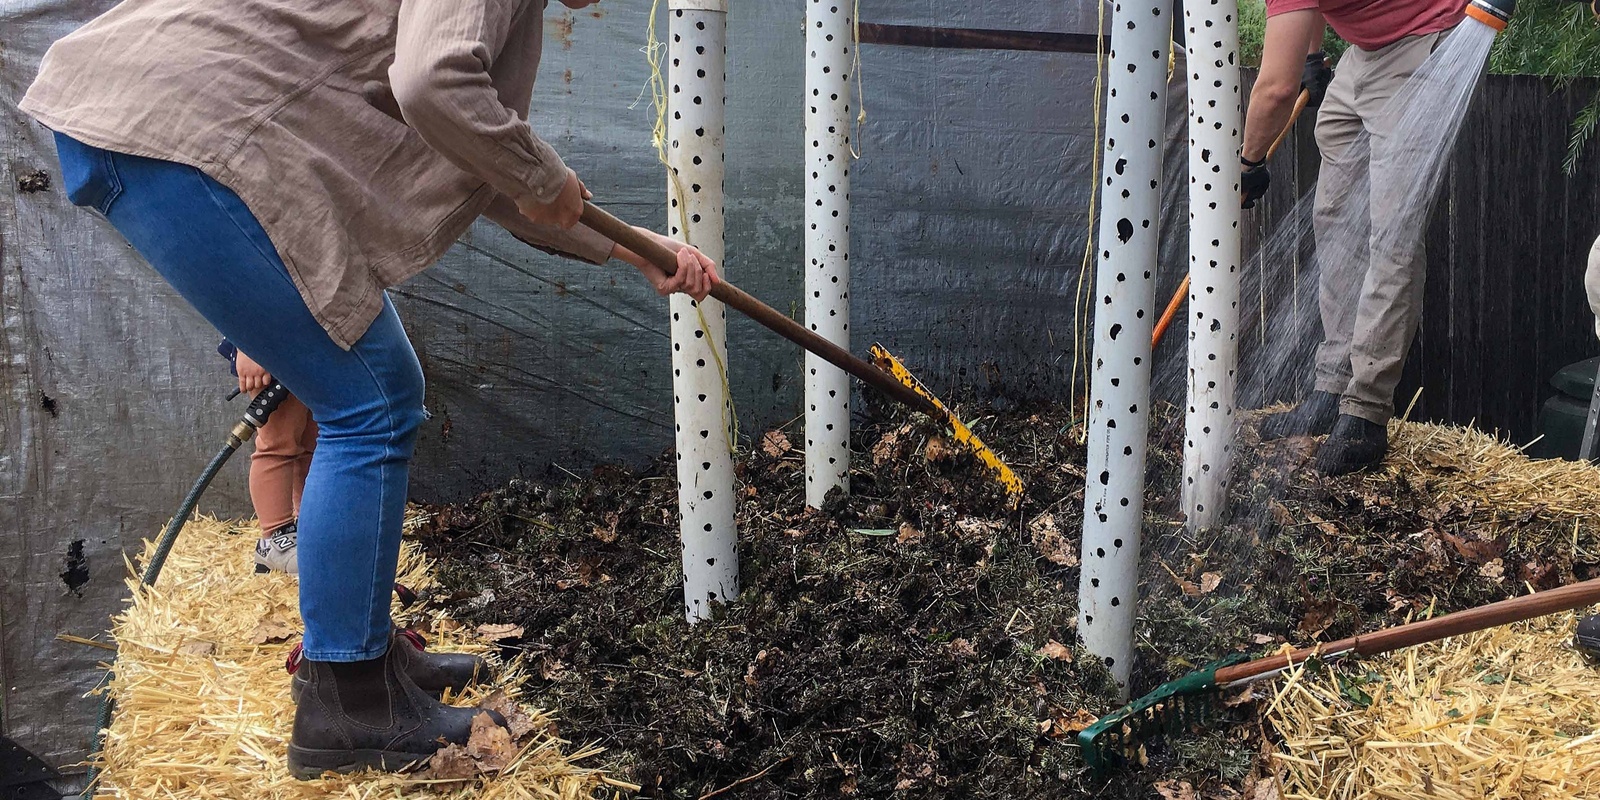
x: 276, y: 553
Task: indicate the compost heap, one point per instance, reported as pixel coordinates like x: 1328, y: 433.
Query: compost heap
x: 916, y: 639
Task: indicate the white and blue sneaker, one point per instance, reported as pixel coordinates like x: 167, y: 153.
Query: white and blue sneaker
x: 276, y: 552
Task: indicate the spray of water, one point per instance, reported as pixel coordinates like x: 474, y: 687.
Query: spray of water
x: 1400, y: 175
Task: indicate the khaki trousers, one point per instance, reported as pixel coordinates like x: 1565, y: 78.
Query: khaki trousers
x: 1371, y: 299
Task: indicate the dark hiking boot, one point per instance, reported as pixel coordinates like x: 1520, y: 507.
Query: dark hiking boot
x: 1313, y: 417
x: 1354, y: 445
x: 1588, y: 637
x: 370, y: 714
x: 431, y: 672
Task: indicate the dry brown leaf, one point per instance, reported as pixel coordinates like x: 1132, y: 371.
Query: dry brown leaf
x: 973, y: 526
x: 1077, y: 723
x: 1188, y: 587
x: 775, y: 444
x: 1209, y: 582
x: 490, y: 744
x: 1262, y: 638
x: 1280, y: 514
x: 199, y: 648
x: 908, y: 534
x: 1175, y: 790
x: 1057, y: 650
x: 517, y: 719
x: 1474, y: 549
x: 271, y: 631
x: 1245, y: 695
x: 889, y: 446
x: 1266, y: 789
x: 496, y: 632
x: 1319, y: 615
x: 962, y: 648
x: 608, y: 534
x: 551, y: 669
x: 451, y: 763
x: 1494, y: 570
x: 937, y: 450
x: 1047, y: 539
x: 1327, y: 527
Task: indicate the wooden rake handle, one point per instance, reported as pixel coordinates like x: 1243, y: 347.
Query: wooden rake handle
x: 626, y: 235
x: 1505, y: 612
x: 1176, y: 302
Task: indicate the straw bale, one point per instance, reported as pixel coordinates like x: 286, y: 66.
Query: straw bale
x: 203, y: 708
x: 1511, y: 712
x: 1469, y: 463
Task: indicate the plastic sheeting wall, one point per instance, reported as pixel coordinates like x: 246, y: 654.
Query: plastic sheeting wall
x: 969, y: 230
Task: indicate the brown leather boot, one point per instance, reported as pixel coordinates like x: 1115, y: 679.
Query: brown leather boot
x: 370, y: 714
x: 433, y: 672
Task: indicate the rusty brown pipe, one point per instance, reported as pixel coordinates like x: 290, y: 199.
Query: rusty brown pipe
x: 624, y: 234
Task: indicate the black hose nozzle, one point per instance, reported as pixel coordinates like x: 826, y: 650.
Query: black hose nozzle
x: 264, y: 403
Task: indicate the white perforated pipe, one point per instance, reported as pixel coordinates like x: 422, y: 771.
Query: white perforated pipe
x: 1215, y: 123
x: 1108, y: 589
x: 697, y: 57
x: 827, y: 98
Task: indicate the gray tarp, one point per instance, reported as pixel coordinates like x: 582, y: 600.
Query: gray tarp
x: 969, y: 230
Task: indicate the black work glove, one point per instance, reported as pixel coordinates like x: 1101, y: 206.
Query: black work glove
x: 1253, y: 182
x: 1316, y: 77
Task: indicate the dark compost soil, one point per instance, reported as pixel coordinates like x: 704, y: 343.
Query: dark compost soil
x: 917, y: 639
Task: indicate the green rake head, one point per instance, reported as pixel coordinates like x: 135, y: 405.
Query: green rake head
x: 1174, y: 707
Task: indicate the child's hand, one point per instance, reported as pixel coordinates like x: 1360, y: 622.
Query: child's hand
x: 252, y: 378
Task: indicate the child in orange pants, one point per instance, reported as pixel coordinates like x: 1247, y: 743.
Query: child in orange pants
x: 278, y: 467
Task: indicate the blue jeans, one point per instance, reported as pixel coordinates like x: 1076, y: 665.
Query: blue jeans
x: 367, y: 400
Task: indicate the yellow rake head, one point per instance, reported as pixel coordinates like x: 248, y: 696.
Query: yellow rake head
x: 1001, y: 473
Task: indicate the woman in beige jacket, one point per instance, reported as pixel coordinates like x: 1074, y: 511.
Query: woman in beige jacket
x: 281, y: 164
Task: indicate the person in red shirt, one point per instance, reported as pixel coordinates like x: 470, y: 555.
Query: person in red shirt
x: 1371, y: 300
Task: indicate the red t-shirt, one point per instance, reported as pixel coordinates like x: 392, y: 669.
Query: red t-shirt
x: 1371, y: 24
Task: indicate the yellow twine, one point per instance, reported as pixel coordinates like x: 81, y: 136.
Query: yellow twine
x: 861, y: 89
x: 655, y: 52
x: 1080, y: 343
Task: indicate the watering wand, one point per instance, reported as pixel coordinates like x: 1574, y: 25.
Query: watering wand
x: 1176, y: 303
x: 892, y: 379
x: 1177, y: 705
x: 1494, y: 13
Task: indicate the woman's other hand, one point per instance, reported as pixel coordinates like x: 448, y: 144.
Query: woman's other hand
x: 697, y: 274
x: 565, y: 210
x: 252, y: 378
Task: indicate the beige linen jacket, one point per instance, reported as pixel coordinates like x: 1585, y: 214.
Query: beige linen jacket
x: 365, y: 135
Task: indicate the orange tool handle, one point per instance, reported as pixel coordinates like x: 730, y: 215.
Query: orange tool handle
x: 1176, y: 302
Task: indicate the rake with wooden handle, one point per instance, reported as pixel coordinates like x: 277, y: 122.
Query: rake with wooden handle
x: 1176, y: 302
x: 917, y: 399
x: 1177, y: 705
